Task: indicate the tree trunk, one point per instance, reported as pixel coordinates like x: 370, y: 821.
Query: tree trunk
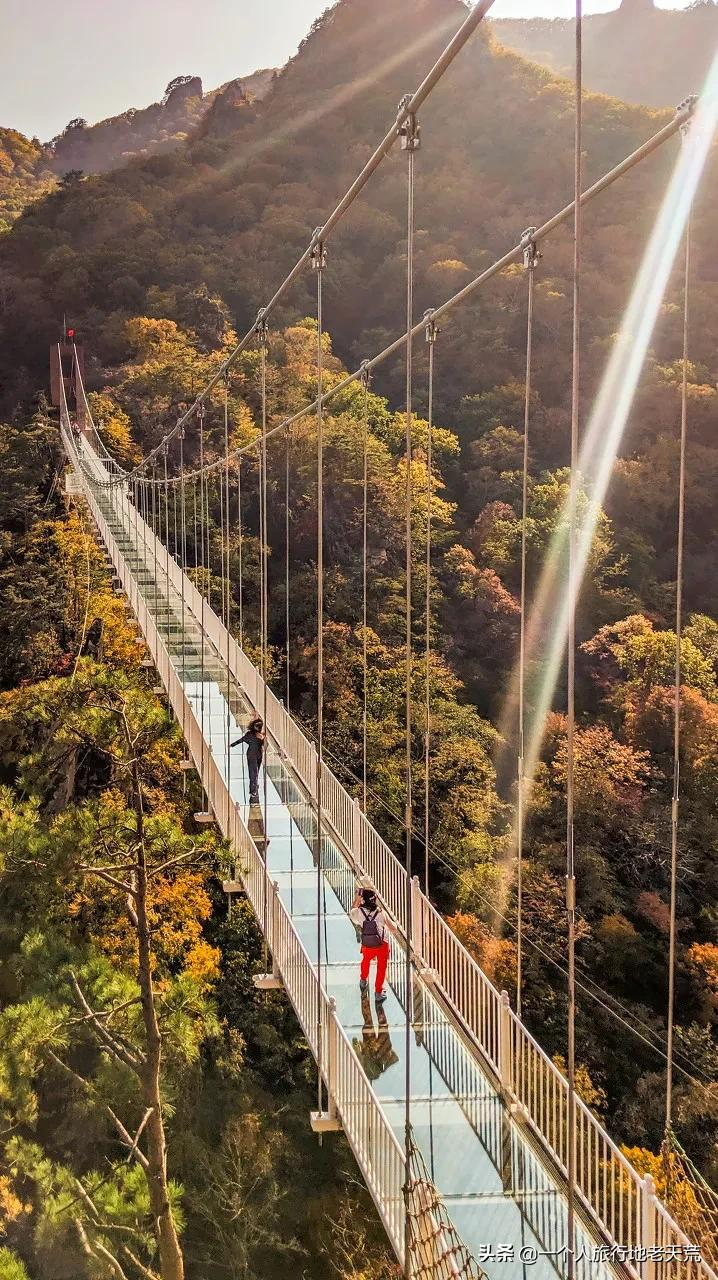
x: 171, y: 1260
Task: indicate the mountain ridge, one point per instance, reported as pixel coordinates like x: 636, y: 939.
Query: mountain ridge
x: 638, y: 53
x: 30, y: 168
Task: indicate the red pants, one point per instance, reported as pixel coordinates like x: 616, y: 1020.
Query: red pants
x: 381, y: 955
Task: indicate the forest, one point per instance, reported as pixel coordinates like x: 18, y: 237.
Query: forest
x: 160, y: 264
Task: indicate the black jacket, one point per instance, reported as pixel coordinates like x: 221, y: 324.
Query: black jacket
x: 255, y: 745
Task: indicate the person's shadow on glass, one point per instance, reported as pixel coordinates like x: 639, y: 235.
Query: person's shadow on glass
x: 375, y: 1050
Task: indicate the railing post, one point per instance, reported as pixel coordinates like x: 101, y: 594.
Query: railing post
x: 272, y: 981
x: 313, y: 771
x: 648, y: 1225
x: 505, y: 1054
x: 417, y: 918
x: 328, y: 1121
x: 356, y: 831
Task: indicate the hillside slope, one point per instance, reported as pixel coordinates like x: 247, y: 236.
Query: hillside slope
x: 24, y: 174
x: 637, y: 53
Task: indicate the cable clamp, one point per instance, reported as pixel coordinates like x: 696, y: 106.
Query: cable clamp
x: 201, y: 411
x: 318, y: 251
x: 365, y: 373
x: 261, y: 327
x: 431, y: 328
x: 685, y: 112
x: 409, y: 129
x: 531, y: 252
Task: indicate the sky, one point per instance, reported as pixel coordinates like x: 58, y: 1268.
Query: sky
x: 95, y: 58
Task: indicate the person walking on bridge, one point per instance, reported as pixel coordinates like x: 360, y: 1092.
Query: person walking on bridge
x: 370, y: 921
x: 254, y: 738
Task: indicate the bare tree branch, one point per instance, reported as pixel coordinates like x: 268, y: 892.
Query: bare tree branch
x: 145, y: 1271
x: 102, y: 875
x: 125, y: 1137
x: 111, y: 1259
x: 164, y: 866
x: 115, y: 1045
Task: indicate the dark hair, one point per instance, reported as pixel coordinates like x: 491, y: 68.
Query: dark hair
x: 369, y: 898
x: 257, y: 723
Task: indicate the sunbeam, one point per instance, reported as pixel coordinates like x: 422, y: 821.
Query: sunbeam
x: 607, y: 423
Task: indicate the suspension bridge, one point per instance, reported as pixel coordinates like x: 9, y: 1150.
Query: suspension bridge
x: 480, y: 1156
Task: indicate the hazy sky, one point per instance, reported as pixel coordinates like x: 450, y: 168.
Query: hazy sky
x: 95, y: 58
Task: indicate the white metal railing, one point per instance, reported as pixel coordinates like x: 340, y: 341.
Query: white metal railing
x: 618, y: 1199
x: 365, y: 1124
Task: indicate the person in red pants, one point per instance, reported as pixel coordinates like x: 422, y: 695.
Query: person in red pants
x: 369, y: 919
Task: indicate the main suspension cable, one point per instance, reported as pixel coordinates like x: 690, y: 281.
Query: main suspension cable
x: 407, y: 111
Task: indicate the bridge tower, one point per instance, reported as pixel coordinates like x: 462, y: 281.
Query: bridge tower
x: 67, y: 359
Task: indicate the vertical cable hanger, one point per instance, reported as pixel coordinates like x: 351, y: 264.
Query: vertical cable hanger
x: 677, y: 708
x: 226, y: 596
x: 531, y: 259
x: 154, y: 517
x: 366, y: 382
x: 319, y: 262
x: 203, y: 582
x: 571, y: 680
x: 183, y: 555
x: 287, y: 562
x: 167, y: 558
x: 431, y: 335
x: 410, y: 141
x: 240, y: 550
x: 262, y: 334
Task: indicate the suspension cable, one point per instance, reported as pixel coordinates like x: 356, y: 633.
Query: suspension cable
x: 408, y: 109
x: 318, y: 263
x: 571, y: 678
x: 410, y: 143
x: 203, y: 581
x: 183, y: 554
x: 365, y: 538
x: 167, y: 562
x: 226, y: 595
x: 682, y: 116
x: 262, y: 338
x: 677, y: 696
x: 287, y: 566
x: 240, y: 550
x: 431, y: 333
x: 531, y: 260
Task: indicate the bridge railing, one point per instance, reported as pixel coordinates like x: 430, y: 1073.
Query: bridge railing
x: 363, y: 1120
x: 617, y: 1198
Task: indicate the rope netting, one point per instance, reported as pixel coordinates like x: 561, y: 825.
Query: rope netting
x: 436, y: 1251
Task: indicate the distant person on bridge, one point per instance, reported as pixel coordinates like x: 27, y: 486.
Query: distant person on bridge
x: 369, y: 919
x: 254, y: 738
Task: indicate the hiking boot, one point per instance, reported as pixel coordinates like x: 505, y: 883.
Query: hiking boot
x: 363, y: 986
x: 380, y: 997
